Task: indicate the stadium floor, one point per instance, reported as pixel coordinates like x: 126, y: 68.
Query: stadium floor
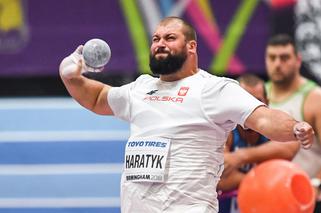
x: 57, y: 157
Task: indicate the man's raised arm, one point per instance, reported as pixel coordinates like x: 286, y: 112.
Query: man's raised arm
x: 89, y: 93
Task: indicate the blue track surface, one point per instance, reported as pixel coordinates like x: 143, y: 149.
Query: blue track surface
x: 56, y: 157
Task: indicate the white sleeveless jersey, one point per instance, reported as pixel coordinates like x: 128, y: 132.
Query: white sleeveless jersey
x: 294, y: 106
x: 196, y: 114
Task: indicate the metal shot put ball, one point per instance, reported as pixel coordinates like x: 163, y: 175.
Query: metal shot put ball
x: 96, y: 53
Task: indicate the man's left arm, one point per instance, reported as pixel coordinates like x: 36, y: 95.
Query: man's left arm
x: 279, y: 126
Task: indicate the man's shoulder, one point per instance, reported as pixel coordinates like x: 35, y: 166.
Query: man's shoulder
x: 145, y: 77
x: 215, y: 80
x: 144, y: 80
x: 312, y: 101
x: 311, y: 90
x: 314, y: 95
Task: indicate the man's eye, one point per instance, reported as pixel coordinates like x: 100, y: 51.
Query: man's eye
x: 272, y: 57
x: 284, y: 57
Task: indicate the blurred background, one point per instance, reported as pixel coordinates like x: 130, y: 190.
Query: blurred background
x: 57, y: 157
x: 36, y: 35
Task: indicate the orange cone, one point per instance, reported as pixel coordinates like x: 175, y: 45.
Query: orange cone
x: 276, y: 186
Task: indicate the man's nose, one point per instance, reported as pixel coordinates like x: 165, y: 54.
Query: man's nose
x: 160, y: 46
x: 161, y: 42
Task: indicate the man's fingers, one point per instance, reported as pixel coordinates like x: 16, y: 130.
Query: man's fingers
x: 79, y: 49
x: 306, y: 144
x: 77, y: 54
x: 303, y: 127
x: 72, y: 65
x: 304, y: 133
x: 80, y: 66
x: 70, y: 70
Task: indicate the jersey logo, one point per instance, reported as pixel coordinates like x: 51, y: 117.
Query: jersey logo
x: 152, y: 92
x: 183, y: 91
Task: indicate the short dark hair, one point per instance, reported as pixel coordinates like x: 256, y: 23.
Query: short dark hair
x: 251, y: 80
x: 189, y: 31
x: 282, y: 40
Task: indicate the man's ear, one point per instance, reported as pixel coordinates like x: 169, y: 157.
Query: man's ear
x: 299, y: 61
x: 192, y: 46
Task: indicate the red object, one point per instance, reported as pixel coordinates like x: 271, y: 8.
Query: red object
x: 282, y: 3
x: 276, y: 186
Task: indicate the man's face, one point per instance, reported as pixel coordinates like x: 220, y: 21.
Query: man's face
x: 168, y: 49
x: 282, y: 63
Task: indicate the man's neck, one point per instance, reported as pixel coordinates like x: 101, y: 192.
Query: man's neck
x: 183, y: 73
x: 280, y: 92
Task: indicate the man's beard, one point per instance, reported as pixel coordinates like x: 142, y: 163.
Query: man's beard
x: 168, y: 65
x: 282, y: 79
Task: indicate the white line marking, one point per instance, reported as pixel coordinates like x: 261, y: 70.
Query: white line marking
x: 62, y: 136
x: 38, y: 103
x: 63, y: 169
x: 59, y: 202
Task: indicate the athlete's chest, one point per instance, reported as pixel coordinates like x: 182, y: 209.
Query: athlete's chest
x: 166, y: 103
x: 176, y: 94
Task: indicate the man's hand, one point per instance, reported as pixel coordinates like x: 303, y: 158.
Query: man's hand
x: 231, y: 162
x: 304, y: 133
x: 72, y: 65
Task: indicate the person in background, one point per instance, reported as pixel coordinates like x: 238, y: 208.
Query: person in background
x: 179, y: 123
x: 290, y: 92
x: 245, y: 148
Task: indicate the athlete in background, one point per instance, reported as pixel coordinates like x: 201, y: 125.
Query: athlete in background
x: 246, y: 148
x: 300, y: 97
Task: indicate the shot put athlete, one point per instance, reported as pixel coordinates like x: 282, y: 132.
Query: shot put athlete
x: 179, y: 123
